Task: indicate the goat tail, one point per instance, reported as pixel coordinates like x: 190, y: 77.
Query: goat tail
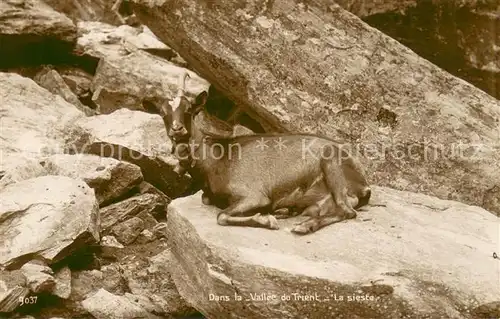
x: 365, y: 198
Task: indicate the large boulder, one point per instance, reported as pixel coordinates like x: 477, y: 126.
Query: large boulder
x: 46, y: 218
x: 32, y: 122
x: 134, y: 136
x: 127, y: 76
x: 317, y: 68
x: 31, y: 32
x: 111, y: 179
x: 406, y: 256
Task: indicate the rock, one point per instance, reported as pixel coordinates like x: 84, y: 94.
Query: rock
x: 150, y: 277
x: 110, y: 241
x: 87, y: 282
x: 423, y: 129
x: 103, y: 41
x: 89, y: 10
x: 139, y: 81
x: 144, y: 303
x: 430, y: 279
x: 489, y: 310
x: 121, y: 211
x: 127, y: 76
x: 160, y: 230
x: 240, y: 130
x: 32, y: 126
x: 146, y: 188
x: 12, y: 288
x: 105, y: 305
x: 19, y: 167
x: 31, y: 32
x: 54, y: 83
x: 38, y: 277
x: 148, y: 219
x: 9, y: 300
x: 62, y: 288
x: 132, y: 136
x: 463, y: 48
x: 63, y: 211
x: 146, y: 236
x: 110, y: 246
x: 364, y: 8
x: 127, y: 231
x: 77, y: 80
x: 111, y: 179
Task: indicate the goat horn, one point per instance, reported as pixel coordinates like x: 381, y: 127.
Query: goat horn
x: 182, y: 84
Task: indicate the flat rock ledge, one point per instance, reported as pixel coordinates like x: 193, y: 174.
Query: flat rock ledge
x: 405, y: 256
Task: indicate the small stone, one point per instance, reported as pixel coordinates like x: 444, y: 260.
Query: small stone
x: 148, y: 219
x: 62, y: 288
x: 127, y: 232
x: 110, y: 246
x: 110, y: 241
x: 38, y: 277
x: 160, y: 230
x: 145, y: 236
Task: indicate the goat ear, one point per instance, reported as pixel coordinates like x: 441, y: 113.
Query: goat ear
x: 200, y: 100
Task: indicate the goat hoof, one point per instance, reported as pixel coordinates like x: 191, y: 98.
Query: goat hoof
x: 267, y: 221
x: 205, y: 199
x: 350, y: 214
x: 301, y: 230
x: 273, y: 222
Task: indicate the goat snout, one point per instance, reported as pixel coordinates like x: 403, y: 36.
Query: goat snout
x: 177, y: 130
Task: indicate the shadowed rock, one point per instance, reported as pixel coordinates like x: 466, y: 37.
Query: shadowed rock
x: 33, y: 33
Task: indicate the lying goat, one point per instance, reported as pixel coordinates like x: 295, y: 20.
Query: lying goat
x: 282, y: 174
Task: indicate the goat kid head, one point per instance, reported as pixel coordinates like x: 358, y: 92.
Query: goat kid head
x: 180, y: 112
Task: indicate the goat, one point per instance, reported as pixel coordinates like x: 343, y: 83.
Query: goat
x: 303, y: 173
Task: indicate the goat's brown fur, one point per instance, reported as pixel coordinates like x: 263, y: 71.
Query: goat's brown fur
x: 326, y: 184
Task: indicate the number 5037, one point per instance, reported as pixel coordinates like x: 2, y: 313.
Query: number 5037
x: 27, y: 300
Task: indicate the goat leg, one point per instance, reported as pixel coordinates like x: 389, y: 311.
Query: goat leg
x: 314, y: 223
x: 257, y: 220
x: 234, y: 215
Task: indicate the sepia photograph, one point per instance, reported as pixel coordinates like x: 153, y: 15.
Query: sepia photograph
x: 248, y: 159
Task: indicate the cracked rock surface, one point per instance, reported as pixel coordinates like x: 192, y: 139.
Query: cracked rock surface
x: 405, y: 255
